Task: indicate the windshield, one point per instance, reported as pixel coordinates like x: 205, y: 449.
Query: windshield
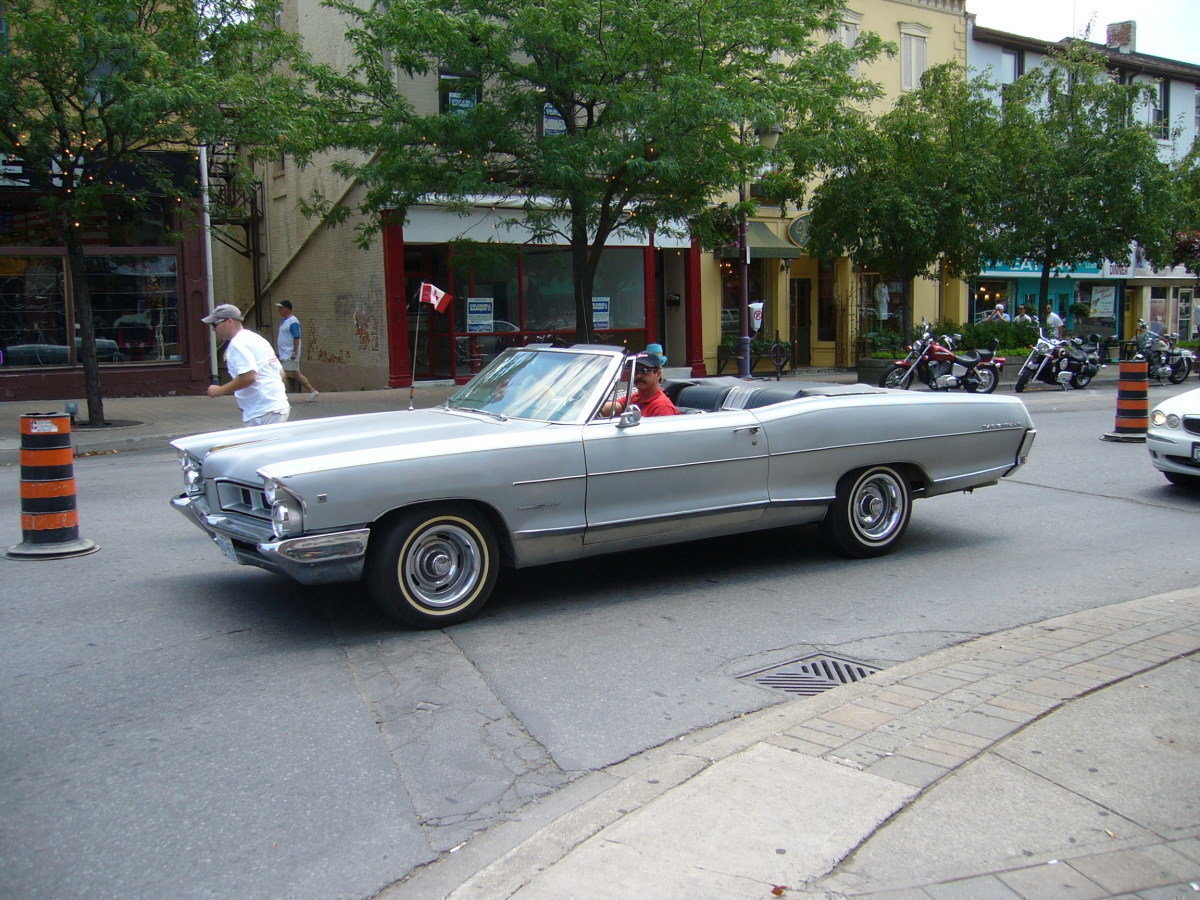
x: 532, y: 384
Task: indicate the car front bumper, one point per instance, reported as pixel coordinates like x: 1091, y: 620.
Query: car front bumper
x: 310, y: 559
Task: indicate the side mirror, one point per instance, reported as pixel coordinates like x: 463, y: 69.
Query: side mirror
x: 630, y: 417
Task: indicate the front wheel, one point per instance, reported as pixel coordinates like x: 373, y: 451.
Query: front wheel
x: 896, y: 376
x: 1180, y: 371
x: 1079, y: 380
x: 433, y: 567
x: 985, y: 381
x: 1023, y: 379
x: 869, y: 513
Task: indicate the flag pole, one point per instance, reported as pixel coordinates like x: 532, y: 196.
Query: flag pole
x: 412, y: 384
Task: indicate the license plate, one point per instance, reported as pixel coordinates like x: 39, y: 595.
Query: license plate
x: 1196, y: 451
x: 226, y: 546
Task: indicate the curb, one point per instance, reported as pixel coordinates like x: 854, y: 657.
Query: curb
x: 912, y: 725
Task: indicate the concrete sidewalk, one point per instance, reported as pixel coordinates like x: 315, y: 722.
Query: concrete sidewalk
x: 1060, y: 759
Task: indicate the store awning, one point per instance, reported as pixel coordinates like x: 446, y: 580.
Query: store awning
x: 764, y: 244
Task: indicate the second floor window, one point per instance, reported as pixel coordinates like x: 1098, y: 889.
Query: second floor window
x: 457, y: 93
x: 1160, y: 115
x: 913, y: 57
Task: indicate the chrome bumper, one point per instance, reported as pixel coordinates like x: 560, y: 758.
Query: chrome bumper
x: 313, y: 559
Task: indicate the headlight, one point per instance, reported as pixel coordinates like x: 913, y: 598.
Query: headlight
x: 1172, y: 421
x: 287, y: 513
x: 193, y: 473
x: 1160, y: 418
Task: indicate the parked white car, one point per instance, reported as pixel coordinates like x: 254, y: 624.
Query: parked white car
x: 1173, y: 438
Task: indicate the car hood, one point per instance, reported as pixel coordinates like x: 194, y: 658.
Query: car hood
x: 297, y: 448
x: 1185, y: 404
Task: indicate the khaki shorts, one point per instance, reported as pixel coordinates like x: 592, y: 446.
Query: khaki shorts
x: 271, y: 418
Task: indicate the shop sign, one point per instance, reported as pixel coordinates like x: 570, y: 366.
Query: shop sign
x: 1104, y: 300
x: 480, y: 314
x: 1031, y: 267
x: 600, y: 315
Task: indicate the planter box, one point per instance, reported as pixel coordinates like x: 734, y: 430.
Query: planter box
x: 871, y: 370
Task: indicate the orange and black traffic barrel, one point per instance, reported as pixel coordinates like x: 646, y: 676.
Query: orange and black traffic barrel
x: 49, y: 515
x: 1133, y: 403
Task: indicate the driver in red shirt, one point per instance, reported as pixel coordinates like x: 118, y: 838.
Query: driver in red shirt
x: 647, y: 378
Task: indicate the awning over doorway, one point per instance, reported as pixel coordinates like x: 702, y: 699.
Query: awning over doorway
x: 764, y: 244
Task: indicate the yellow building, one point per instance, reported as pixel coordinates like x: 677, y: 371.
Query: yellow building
x: 821, y: 310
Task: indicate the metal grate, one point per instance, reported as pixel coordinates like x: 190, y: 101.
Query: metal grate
x: 810, y: 675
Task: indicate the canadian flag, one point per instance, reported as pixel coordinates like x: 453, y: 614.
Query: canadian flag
x: 434, y: 296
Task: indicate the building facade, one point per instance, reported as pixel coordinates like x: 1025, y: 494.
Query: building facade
x: 1105, y: 297
x: 147, y: 279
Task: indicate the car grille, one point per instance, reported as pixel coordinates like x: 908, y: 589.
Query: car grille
x: 246, y: 499
x: 1182, y: 461
x: 1192, y: 424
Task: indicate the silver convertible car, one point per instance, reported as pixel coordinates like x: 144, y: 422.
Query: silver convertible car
x: 520, y: 468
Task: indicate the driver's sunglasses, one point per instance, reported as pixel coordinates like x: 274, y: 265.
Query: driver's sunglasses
x: 213, y: 325
x: 642, y: 367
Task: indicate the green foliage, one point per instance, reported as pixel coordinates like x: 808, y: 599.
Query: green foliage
x: 588, y: 118
x: 1082, y: 174
x: 914, y: 189
x: 92, y: 90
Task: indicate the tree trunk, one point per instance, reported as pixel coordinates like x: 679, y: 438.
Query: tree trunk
x: 1044, y: 286
x: 581, y: 281
x: 84, y: 328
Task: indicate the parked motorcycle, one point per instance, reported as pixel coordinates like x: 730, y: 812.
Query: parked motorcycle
x: 938, y: 365
x: 1165, y: 361
x: 1073, y: 362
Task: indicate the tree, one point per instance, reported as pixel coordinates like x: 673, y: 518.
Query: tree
x: 593, y: 116
x: 1187, y: 219
x: 915, y: 192
x: 1083, y: 177
x: 95, y: 93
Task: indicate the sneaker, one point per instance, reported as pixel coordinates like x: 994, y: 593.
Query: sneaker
x: 313, y: 396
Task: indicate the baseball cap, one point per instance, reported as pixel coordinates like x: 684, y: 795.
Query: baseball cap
x: 224, y: 311
x: 286, y: 304
x: 652, y: 356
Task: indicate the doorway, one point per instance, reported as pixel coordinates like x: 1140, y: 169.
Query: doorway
x: 800, y: 316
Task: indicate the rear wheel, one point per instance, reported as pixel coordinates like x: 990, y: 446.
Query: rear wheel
x: 1079, y: 380
x: 869, y: 513
x: 1022, y: 379
x: 985, y: 381
x: 433, y: 567
x: 894, y: 377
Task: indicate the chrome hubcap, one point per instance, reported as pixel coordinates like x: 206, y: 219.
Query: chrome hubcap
x: 442, y: 566
x: 878, y: 507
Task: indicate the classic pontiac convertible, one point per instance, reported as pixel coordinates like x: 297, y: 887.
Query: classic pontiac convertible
x: 519, y: 468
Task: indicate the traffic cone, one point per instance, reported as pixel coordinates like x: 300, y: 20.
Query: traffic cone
x: 49, y: 518
x: 1133, y: 403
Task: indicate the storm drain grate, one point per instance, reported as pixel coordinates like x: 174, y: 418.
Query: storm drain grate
x: 810, y: 675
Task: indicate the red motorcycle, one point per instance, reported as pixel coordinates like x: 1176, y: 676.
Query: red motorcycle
x: 936, y: 364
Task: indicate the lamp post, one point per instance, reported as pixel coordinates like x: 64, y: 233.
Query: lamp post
x: 768, y: 137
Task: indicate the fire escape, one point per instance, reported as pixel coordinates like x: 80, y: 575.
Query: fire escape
x: 236, y: 213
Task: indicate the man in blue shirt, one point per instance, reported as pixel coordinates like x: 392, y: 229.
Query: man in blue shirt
x: 289, y: 348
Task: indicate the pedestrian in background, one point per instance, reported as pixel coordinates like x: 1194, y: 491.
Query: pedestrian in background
x: 1054, y: 322
x: 257, y: 377
x: 289, y: 348
x: 997, y: 315
x: 1023, y: 316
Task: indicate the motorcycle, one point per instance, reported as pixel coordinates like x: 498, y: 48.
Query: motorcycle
x: 937, y: 364
x: 1165, y: 362
x: 1073, y: 362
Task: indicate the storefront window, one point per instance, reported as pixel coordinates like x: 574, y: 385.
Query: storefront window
x: 33, y: 320
x: 135, y: 310
x: 135, y: 305
x: 987, y: 295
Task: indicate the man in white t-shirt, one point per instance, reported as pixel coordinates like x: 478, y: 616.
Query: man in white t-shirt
x: 1053, y: 321
x: 257, y: 379
x: 289, y: 347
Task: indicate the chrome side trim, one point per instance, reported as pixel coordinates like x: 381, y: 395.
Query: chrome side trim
x: 686, y: 465
x: 548, y: 480
x: 903, y: 440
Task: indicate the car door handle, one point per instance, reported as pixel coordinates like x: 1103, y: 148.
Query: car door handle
x: 753, y: 429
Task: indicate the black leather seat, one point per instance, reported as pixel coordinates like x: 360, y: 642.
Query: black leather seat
x: 703, y: 396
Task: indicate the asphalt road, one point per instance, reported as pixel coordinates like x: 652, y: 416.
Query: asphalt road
x: 172, y: 724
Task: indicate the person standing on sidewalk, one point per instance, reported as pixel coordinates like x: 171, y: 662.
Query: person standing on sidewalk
x: 289, y: 348
x: 257, y: 378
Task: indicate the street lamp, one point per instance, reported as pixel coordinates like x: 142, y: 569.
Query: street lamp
x: 768, y: 137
